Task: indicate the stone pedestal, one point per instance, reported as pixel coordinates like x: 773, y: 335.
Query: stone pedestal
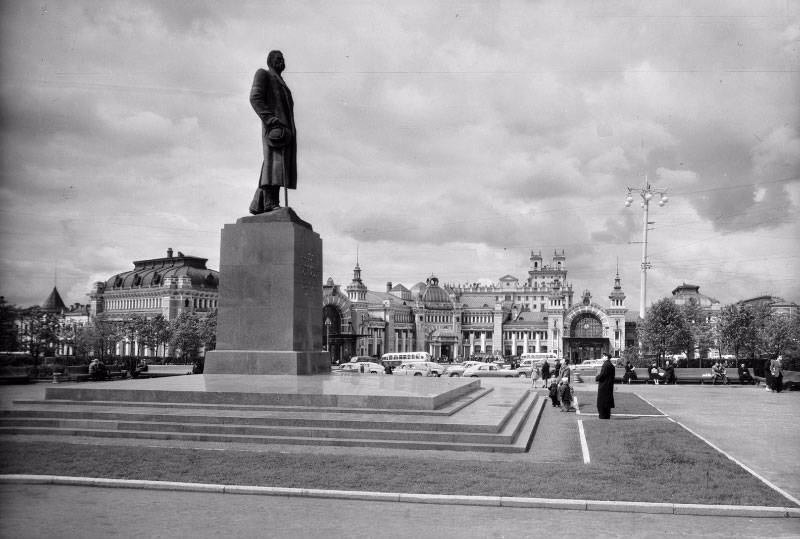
x: 269, y: 316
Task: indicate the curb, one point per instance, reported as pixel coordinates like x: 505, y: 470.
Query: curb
x: 439, y: 499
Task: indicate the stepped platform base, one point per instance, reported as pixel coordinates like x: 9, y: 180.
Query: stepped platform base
x: 333, y: 410
x: 373, y: 392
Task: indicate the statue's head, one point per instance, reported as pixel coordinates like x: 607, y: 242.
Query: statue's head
x: 275, y: 61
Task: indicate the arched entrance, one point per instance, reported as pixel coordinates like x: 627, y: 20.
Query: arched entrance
x: 586, y: 338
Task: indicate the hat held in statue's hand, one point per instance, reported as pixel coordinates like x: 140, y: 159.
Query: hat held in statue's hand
x: 278, y: 137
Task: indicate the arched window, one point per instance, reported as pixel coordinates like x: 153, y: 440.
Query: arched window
x: 587, y: 326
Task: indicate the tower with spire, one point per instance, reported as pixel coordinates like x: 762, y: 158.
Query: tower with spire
x: 616, y: 313
x: 357, y: 290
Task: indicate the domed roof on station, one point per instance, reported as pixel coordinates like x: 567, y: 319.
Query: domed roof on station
x: 436, y: 297
x: 154, y: 272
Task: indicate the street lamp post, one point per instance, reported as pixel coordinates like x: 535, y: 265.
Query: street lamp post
x: 646, y: 193
x: 328, y: 337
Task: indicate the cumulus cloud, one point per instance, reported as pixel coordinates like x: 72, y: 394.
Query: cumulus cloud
x: 434, y: 137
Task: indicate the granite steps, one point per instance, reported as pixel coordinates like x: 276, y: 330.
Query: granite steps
x: 484, y: 422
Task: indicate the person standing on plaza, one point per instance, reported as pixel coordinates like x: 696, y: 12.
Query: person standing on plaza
x: 545, y: 373
x: 605, y: 387
x: 776, y: 370
x: 564, y: 387
x: 535, y: 374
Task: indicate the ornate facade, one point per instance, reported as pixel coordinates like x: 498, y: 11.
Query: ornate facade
x: 167, y: 286
x: 509, y: 317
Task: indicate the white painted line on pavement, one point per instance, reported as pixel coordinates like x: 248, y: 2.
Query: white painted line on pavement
x: 577, y: 406
x: 584, y: 445
x: 640, y: 415
x: 752, y: 472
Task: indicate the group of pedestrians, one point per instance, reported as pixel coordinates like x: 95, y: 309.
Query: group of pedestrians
x: 560, y: 385
x: 560, y: 389
x: 558, y: 381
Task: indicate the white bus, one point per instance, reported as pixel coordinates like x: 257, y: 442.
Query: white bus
x: 393, y: 359
x: 538, y: 358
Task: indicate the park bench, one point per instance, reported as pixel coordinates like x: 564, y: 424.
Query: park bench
x: 642, y: 376
x: 80, y: 373
x: 15, y: 375
x: 684, y: 375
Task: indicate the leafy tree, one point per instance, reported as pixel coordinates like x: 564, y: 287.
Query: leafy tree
x: 741, y: 330
x: 149, y: 333
x: 108, y: 334
x: 87, y: 341
x: 665, y: 330
x: 732, y: 328
x: 208, y: 331
x: 779, y: 334
x: 632, y: 354
x: 135, y: 327
x: 9, y: 340
x: 185, y: 335
x: 700, y: 329
x: 40, y: 331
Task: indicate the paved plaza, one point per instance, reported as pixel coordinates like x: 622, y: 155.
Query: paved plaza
x: 754, y: 427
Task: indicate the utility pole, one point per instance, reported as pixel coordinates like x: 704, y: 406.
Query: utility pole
x: 646, y: 193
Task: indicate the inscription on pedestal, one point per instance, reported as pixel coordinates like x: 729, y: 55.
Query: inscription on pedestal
x: 309, y: 275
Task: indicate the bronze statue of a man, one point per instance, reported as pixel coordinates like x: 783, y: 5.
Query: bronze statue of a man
x: 272, y: 101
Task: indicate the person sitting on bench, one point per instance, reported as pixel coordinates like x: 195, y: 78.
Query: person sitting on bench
x: 718, y: 373
x: 140, y: 368
x: 669, y: 374
x: 655, y: 376
x: 97, y: 370
x: 744, y: 375
x: 630, y: 374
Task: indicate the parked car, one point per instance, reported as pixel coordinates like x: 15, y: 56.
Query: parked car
x: 457, y: 369
x: 489, y: 370
x: 362, y: 367
x: 419, y: 368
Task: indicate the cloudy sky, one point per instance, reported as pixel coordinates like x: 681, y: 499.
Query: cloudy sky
x: 448, y: 138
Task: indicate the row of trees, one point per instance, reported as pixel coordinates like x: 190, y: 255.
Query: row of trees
x: 746, y: 332
x: 181, y: 337
x: 38, y: 331
x: 43, y: 333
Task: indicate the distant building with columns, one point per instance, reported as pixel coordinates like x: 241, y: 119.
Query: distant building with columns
x: 510, y: 317
x: 167, y: 286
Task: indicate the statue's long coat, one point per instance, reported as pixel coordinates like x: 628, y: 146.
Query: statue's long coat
x: 272, y: 101
x: 605, y: 385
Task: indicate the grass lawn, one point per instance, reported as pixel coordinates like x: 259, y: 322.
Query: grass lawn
x: 624, y: 403
x: 651, y: 460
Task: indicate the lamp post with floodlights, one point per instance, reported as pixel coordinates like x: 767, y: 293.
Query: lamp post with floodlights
x: 646, y: 193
